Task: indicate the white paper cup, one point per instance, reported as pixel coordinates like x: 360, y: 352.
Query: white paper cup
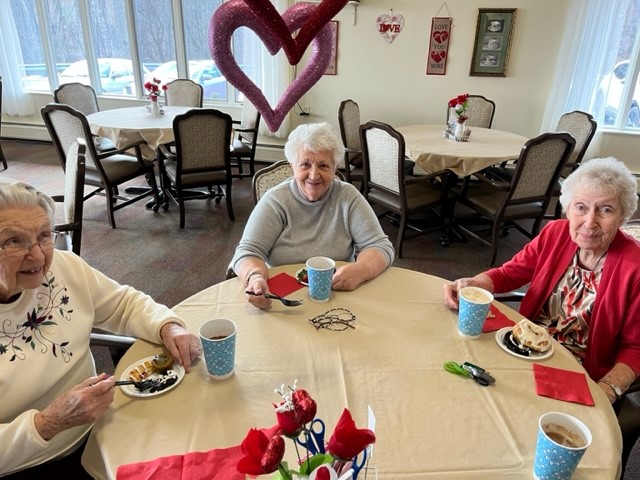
x: 218, y: 339
x: 473, y: 307
x: 562, y: 441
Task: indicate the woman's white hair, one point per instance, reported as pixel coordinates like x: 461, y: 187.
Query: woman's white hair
x: 606, y: 174
x: 315, y: 137
x: 15, y: 194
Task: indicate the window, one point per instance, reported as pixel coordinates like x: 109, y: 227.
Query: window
x: 89, y: 41
x: 617, y: 98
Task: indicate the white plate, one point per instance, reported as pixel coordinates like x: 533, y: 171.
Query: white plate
x: 133, y: 392
x: 302, y: 270
x: 533, y: 355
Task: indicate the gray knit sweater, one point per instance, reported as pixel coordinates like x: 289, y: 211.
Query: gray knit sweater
x: 286, y: 228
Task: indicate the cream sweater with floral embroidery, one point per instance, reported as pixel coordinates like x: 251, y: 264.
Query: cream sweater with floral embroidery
x: 44, y: 350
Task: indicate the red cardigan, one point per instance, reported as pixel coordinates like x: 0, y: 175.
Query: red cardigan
x: 614, y: 329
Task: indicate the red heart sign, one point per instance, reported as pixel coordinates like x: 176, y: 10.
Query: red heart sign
x: 295, y: 47
x: 439, y: 36
x: 438, y: 56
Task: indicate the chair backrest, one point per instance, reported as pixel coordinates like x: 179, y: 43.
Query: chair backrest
x: 538, y: 168
x: 65, y: 125
x: 269, y: 177
x: 73, y: 196
x: 272, y: 175
x: 184, y: 92
x: 249, y: 123
x: 349, y: 121
x: 582, y: 128
x: 202, y: 142
x: 480, y: 111
x: 383, y: 154
x: 80, y: 96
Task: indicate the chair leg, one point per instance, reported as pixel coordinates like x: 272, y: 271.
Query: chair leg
x: 111, y: 200
x: 252, y: 167
x: 400, y: 239
x: 181, y: 207
x: 227, y: 195
x: 494, y: 242
x: 3, y: 159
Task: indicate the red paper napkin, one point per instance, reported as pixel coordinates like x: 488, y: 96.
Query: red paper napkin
x: 499, y: 320
x: 283, y: 284
x: 217, y: 464
x: 562, y: 385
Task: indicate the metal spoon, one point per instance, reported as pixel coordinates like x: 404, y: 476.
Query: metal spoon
x: 285, y: 301
x: 141, y: 385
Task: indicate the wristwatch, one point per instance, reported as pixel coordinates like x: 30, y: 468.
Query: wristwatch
x: 616, y: 389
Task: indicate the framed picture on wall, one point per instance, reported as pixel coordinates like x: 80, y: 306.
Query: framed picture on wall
x: 492, y: 46
x: 332, y: 69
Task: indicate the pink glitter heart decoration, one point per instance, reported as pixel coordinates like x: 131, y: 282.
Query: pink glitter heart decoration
x: 294, y: 48
x: 236, y: 13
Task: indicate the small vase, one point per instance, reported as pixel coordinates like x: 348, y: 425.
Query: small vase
x: 459, y: 132
x: 155, y: 107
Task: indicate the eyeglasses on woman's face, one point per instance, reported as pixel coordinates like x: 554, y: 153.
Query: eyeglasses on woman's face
x: 17, y: 247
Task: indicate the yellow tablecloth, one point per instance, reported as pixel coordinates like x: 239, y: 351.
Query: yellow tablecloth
x: 426, y: 145
x: 430, y: 423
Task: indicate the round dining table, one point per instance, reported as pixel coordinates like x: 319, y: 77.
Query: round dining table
x: 124, y: 126
x: 429, y: 423
x: 429, y: 148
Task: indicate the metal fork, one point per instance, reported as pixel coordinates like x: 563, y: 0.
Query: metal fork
x: 141, y: 385
x: 285, y: 301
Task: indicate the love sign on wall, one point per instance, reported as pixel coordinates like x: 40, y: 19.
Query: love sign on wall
x: 438, y: 46
x: 389, y: 26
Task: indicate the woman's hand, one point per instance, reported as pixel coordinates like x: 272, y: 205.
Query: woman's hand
x: 258, y: 285
x: 81, y: 405
x: 451, y: 289
x: 347, y: 277
x: 182, y: 345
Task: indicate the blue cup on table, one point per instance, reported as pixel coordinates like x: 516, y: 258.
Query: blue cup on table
x: 218, y: 339
x: 320, y: 278
x: 473, y: 307
x: 562, y: 441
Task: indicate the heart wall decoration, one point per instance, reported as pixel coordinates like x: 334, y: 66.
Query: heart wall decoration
x: 390, y: 26
x: 438, y: 45
x: 276, y: 32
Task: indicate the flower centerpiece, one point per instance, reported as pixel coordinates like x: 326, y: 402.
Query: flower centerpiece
x: 457, y: 118
x: 154, y: 88
x: 263, y: 450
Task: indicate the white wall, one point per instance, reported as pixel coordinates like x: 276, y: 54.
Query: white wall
x: 389, y: 82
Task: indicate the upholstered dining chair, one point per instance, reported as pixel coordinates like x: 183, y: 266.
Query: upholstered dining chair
x: 83, y: 98
x: 73, y: 198
x: 480, y: 111
x: 3, y: 159
x: 502, y: 204
x: 349, y: 122
x: 184, y: 92
x: 246, y: 140
x: 202, y: 159
x: 386, y: 183
x: 104, y: 170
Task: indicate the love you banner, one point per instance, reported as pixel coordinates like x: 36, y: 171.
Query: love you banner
x: 439, y: 46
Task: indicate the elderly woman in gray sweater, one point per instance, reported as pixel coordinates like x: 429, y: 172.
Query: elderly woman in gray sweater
x: 312, y: 214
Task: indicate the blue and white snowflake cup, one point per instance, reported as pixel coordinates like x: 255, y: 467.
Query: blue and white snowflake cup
x: 218, y: 339
x: 473, y: 307
x: 562, y: 441
x: 320, y: 274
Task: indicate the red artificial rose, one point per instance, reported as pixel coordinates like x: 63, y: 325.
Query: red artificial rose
x: 463, y: 98
x: 304, y: 410
x: 453, y: 102
x: 164, y: 87
x: 148, y: 85
x: 347, y: 440
x: 261, y: 455
x: 322, y: 473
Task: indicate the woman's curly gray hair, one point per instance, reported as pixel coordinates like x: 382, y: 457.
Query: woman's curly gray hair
x: 607, y: 174
x: 315, y: 137
x: 15, y: 194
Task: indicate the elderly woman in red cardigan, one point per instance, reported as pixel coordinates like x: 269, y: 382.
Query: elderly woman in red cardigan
x: 584, y: 275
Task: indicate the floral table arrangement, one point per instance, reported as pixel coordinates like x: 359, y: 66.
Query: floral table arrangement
x: 340, y: 458
x: 154, y: 88
x: 457, y: 117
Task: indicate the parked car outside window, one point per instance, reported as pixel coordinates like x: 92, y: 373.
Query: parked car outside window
x: 115, y: 74
x: 609, y: 96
